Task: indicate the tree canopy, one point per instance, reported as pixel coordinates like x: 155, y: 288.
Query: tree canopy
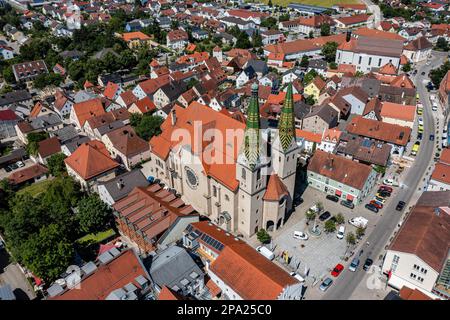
x: 93, y: 214
x: 329, y: 51
x: 56, y: 164
x: 146, y: 125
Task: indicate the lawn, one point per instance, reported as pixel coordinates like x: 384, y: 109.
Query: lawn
x: 96, y: 237
x: 320, y: 3
x: 37, y: 188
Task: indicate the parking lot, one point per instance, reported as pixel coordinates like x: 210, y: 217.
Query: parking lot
x: 5, y: 174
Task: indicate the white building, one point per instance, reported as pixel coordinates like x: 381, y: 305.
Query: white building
x: 418, y: 50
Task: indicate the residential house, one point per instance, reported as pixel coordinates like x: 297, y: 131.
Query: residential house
x: 47, y: 148
x: 418, y: 256
x: 315, y: 87
x: 142, y: 106
x: 119, y: 187
x: 115, y: 275
x: 90, y: 164
x: 32, y: 174
x: 440, y: 178
x: 27, y: 71
x: 175, y: 269
x: 245, y: 76
x: 136, y: 39
x: 418, y: 50
x: 85, y: 110
x: 318, y: 119
x: 152, y: 216
x: 399, y: 114
x: 177, y: 39
x: 330, y: 139
x: 353, y: 22
x: 168, y: 93
x: 340, y: 176
x: 8, y: 120
x: 126, y: 146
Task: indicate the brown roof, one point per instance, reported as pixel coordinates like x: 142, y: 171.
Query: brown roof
x: 152, y: 210
x: 169, y: 294
x: 48, y: 147
x: 304, y: 44
x: 152, y: 85
x: 116, y: 274
x: 398, y: 111
x: 375, y: 46
x: 26, y: 174
x: 145, y: 105
x: 91, y: 159
x: 402, y: 81
x: 88, y: 109
x: 340, y: 169
x: 373, y: 105
x: 128, y: 97
x: 419, y: 44
x: 374, y: 33
x: 425, y: 233
x: 357, y: 18
x: 441, y: 173
x: 409, y: 294
x: 126, y: 141
x: 275, y: 189
x: 378, y: 130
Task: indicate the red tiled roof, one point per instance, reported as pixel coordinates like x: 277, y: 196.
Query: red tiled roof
x: 398, y: 111
x: 367, y: 32
x: 275, y: 189
x: 116, y: 274
x: 91, y: 159
x: 127, y: 142
x: 26, y: 174
x: 129, y: 36
x: 49, y: 147
x: 308, y: 136
x: 88, y: 109
x: 110, y: 90
x: 341, y: 169
x: 152, y: 85
x: 7, y: 115
x: 128, y: 97
x: 169, y: 294
x: 409, y: 294
x: 145, y: 105
x: 379, y: 130
x: 36, y: 110
x: 357, y: 18
x: 441, y: 173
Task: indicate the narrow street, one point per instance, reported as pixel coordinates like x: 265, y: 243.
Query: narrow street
x: 413, y: 183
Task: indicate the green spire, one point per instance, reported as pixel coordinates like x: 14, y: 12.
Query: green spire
x: 251, y: 139
x: 286, y: 125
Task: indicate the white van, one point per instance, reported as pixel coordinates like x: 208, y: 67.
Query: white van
x: 266, y: 252
x: 340, y: 232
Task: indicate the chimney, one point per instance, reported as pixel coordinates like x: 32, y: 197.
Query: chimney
x: 348, y: 36
x: 173, y: 117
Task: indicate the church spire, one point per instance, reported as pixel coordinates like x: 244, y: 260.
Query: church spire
x: 251, y: 142
x: 286, y: 125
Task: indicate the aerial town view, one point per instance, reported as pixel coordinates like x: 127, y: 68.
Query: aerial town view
x: 224, y: 150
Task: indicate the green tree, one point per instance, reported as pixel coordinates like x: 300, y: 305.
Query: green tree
x: 325, y: 30
x: 407, y: 67
x: 436, y: 75
x: 243, y: 42
x: 56, y: 164
x: 311, y: 34
x: 442, y: 44
x: 330, y: 226
x: 47, y: 253
x: 8, y: 75
x: 329, y: 51
x: 310, y: 215
x: 269, y: 22
x: 284, y: 17
x: 304, y: 62
x: 270, y: 4
x: 360, y: 232
x: 192, y: 82
x: 333, y: 65
x: 350, y: 238
x: 257, y: 40
x: 309, y: 77
x: 263, y: 236
x: 93, y: 214
x: 340, y: 218
x: 309, y: 100
x: 33, y: 141
x: 146, y: 125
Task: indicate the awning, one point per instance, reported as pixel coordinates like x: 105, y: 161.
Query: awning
x: 350, y: 197
x: 338, y: 193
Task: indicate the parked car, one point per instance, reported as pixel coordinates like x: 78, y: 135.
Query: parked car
x: 324, y: 216
x: 375, y: 204
x: 354, y: 265
x: 400, y: 206
x: 297, y: 276
x: 371, y: 207
x: 379, y: 199
x: 419, y: 136
x: 358, y: 222
x: 326, y: 284
x: 420, y: 120
x: 420, y: 129
x: 337, y: 270
x: 348, y: 204
x: 384, y: 194
x: 415, y: 148
x: 434, y: 107
x: 386, y: 188
x: 431, y: 137
x: 420, y: 111
x: 367, y: 264
x: 390, y: 182
x: 266, y: 252
x: 340, y: 233
x: 332, y: 198
x: 20, y: 164
x: 300, y: 235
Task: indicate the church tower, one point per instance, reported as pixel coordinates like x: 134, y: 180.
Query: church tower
x: 285, y: 148
x: 251, y: 172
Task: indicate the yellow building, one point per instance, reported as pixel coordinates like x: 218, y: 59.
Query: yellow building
x: 315, y: 88
x: 136, y: 39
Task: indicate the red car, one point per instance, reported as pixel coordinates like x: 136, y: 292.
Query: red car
x: 376, y: 204
x: 388, y: 189
x: 337, y: 270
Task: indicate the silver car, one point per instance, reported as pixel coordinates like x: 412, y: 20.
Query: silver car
x: 326, y: 284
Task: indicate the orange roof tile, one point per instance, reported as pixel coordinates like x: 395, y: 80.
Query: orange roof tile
x: 129, y: 36
x: 441, y: 173
x: 388, y: 68
x: 402, y: 81
x: 169, y: 294
x: 275, y: 189
x: 88, y: 109
x: 36, y: 110
x: 409, y: 294
x: 26, y: 174
x: 308, y: 136
x: 398, y: 111
x: 367, y: 32
x: 145, y: 105
x: 91, y: 159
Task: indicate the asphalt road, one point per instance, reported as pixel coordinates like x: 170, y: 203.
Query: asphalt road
x: 346, y: 283
x: 376, y: 11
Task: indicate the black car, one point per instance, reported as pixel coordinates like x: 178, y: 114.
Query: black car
x: 367, y: 264
x: 431, y: 137
x: 419, y: 136
x: 384, y: 193
x: 371, y: 207
x: 332, y: 198
x: 423, y: 73
x: 400, y: 206
x: 324, y: 216
x: 347, y: 204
